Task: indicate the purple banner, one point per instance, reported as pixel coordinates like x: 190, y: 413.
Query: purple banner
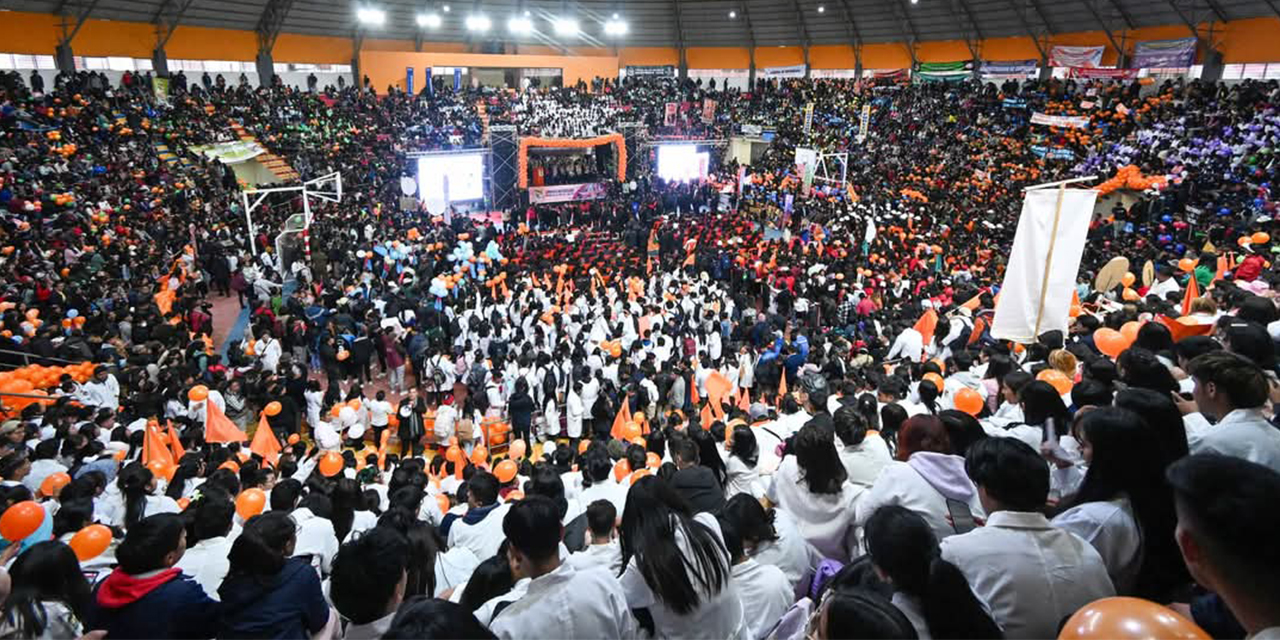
x: 1164, y: 54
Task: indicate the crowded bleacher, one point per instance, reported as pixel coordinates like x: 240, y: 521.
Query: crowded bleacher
x: 751, y: 405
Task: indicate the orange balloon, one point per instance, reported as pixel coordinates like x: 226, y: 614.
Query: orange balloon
x: 518, y: 450
x: 968, y: 401
x: 294, y: 438
x: 1261, y: 237
x: 250, y: 503
x: 331, y: 464
x: 354, y: 403
x: 161, y: 469
x: 54, y: 483
x: 621, y: 469
x: 505, y: 471
x: 21, y: 520
x: 198, y: 393
x: 1059, y: 380
x: 582, y: 446
x: 1128, y: 279
x: 1244, y: 241
x: 630, y: 431
x: 1187, y: 264
x: 1109, y: 341
x: 230, y: 465
x: 1130, y: 330
x: 337, y: 408
x: 479, y: 455
x: 90, y: 542
x: 454, y: 454
x: 935, y: 379
x: 183, y: 503
x: 635, y: 476
x: 1130, y: 295
x: 273, y: 408
x: 1129, y: 619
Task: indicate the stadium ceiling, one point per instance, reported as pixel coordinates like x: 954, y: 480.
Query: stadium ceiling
x: 674, y: 23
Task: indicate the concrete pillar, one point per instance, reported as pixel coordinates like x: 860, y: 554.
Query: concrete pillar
x: 266, y: 69
x: 65, y: 58
x: 160, y: 62
x: 1212, y: 63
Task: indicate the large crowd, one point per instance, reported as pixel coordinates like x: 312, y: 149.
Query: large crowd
x: 733, y: 408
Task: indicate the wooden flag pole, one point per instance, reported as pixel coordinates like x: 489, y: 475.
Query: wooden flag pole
x: 1048, y: 259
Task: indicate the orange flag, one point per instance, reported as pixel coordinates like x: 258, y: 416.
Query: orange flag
x: 265, y: 442
x: 154, y: 448
x: 1181, y: 330
x: 693, y: 391
x: 926, y: 324
x: 218, y: 427
x: 706, y: 417
x: 1223, y: 266
x: 973, y: 303
x: 744, y: 400
x: 1193, y: 292
x: 174, y: 442
x: 782, y: 387
x: 623, y: 417
x: 718, y: 387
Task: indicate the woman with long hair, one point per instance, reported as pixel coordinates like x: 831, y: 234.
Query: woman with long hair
x: 349, y: 513
x: 1124, y: 508
x: 1044, y: 415
x: 137, y: 484
x: 741, y: 463
x: 771, y: 537
x: 812, y: 486
x: 186, y: 478
x: 930, y: 591
x: 1160, y: 412
x: 676, y: 566
x: 268, y: 594
x: 50, y: 595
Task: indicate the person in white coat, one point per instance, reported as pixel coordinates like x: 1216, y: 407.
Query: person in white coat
x: 602, y: 548
x: 1233, y: 391
x: 575, y: 409
x: 863, y: 457
x: 765, y: 591
x: 740, y: 464
x: 206, y: 557
x: 1030, y: 574
x: 559, y: 599
x: 811, y: 485
x: 697, y: 598
x: 480, y: 529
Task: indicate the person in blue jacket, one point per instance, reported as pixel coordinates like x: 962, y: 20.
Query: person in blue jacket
x: 267, y: 594
x: 146, y: 596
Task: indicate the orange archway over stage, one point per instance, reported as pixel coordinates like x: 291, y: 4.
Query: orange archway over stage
x: 615, y: 139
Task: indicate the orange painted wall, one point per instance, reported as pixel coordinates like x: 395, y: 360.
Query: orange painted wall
x: 199, y: 43
x: 718, y: 58
x: 387, y: 67
x: 778, y: 56
x: 291, y: 47
x: 30, y: 33
x: 1009, y: 49
x: 943, y: 51
x: 640, y: 56
x: 1255, y: 40
x: 832, y: 57
x: 106, y: 37
x: 885, y: 56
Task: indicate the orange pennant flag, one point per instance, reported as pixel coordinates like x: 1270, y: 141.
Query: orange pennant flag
x: 782, y: 387
x: 218, y: 427
x: 154, y: 448
x: 973, y: 303
x: 1223, y: 266
x: 1192, y: 292
x: 744, y: 400
x: 265, y: 443
x: 694, y: 398
x: 926, y: 324
x: 164, y: 300
x: 706, y: 417
x: 174, y: 442
x: 1179, y: 330
x: 718, y: 387
x: 620, y: 420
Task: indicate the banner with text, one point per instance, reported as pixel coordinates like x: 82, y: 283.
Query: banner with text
x: 568, y: 192
x: 943, y: 70
x: 669, y: 116
x: 1066, y: 56
x: 650, y: 71
x: 808, y: 118
x: 1052, y: 153
x: 864, y: 121
x: 1103, y: 74
x: 793, y: 71
x: 1072, y: 122
x: 1165, y: 54
x: 1009, y: 67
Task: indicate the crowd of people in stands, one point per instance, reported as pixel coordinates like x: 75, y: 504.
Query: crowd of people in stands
x: 747, y: 410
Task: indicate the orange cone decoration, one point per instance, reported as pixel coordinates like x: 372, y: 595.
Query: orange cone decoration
x: 744, y: 400
x: 265, y: 442
x: 174, y: 443
x: 219, y: 428
x: 621, y: 420
x: 154, y: 447
x: 1192, y: 292
x: 782, y: 387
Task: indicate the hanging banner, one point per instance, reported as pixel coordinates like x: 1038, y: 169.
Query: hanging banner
x: 1009, y: 67
x: 669, y: 117
x: 1014, y: 103
x: 794, y: 71
x: 1065, y: 56
x: 568, y: 192
x: 1165, y: 54
x: 457, y: 79
x: 750, y: 129
x: 960, y: 68
x: 431, y: 89
x: 708, y: 111
x: 1043, y: 264
x: 1103, y: 74
x: 160, y: 87
x: 1071, y: 122
x: 864, y: 121
x: 808, y: 118
x: 650, y: 71
x: 408, y: 80
x: 1052, y: 153
x: 891, y: 74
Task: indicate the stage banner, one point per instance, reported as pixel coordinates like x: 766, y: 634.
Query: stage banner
x: 1073, y: 122
x: 568, y: 192
x: 1043, y: 264
x: 1087, y: 73
x: 793, y: 71
x: 651, y: 71
x: 1009, y: 67
x: 864, y: 121
x: 891, y: 74
x: 1065, y: 56
x: 708, y: 111
x: 1165, y: 54
x: 408, y: 80
x: 669, y: 117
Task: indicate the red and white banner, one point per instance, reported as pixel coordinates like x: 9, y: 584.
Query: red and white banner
x: 1103, y: 74
x: 1066, y: 56
x: 669, y: 117
x: 568, y: 192
x: 1072, y: 122
x: 708, y: 111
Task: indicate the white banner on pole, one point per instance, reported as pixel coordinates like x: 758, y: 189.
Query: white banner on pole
x: 1043, y: 263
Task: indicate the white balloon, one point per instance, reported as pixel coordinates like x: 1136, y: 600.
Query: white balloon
x: 408, y: 185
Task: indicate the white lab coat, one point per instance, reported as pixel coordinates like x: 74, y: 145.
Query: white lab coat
x: 718, y: 616
x: 1030, y: 574
x: 900, y: 484
x: 568, y: 603
x: 574, y: 415
x: 741, y: 478
x: 909, y: 345
x: 608, y: 555
x: 790, y: 552
x: 206, y: 562
x: 1243, y: 433
x: 766, y: 594
x: 825, y: 520
x: 864, y: 461
x: 1112, y: 529
x: 453, y: 567
x: 482, y: 538
x: 605, y: 490
x: 315, y: 538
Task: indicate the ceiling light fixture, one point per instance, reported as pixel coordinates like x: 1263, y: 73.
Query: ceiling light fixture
x: 372, y: 16
x: 520, y: 25
x: 566, y: 27
x: 429, y: 20
x: 478, y: 22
